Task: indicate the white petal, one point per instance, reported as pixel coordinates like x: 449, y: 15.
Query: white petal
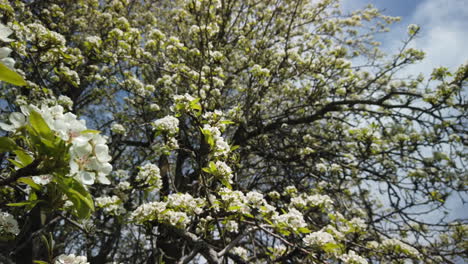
x: 24, y: 110
x: 87, y: 177
x: 9, y: 62
x: 106, y: 168
x: 80, y: 151
x: 73, y: 167
x: 102, y: 153
x: 17, y: 119
x: 81, y: 140
x: 6, y: 127
x: 93, y: 164
x: 103, y: 179
x: 4, y: 52
x: 4, y: 33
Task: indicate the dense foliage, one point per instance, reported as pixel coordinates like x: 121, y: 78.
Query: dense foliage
x: 223, y: 131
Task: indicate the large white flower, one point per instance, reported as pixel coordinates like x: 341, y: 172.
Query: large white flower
x: 89, y: 154
x: 89, y: 159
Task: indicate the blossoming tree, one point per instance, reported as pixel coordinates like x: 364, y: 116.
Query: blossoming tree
x: 223, y: 131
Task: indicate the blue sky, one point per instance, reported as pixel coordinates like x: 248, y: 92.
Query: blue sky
x: 402, y: 8
x: 443, y: 36
x: 444, y: 29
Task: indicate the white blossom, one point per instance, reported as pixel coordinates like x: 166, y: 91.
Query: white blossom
x: 168, y: 124
x: 118, y: 129
x: 42, y: 179
x: 71, y: 259
x: 16, y: 119
x: 224, y: 170
x: 8, y: 224
x: 95, y: 40
x: 110, y: 204
x: 292, y: 219
x: 353, y: 258
x: 186, y: 202
x: 241, y: 252
x: 396, y: 245
x: 318, y: 238
x: 4, y: 59
x: 89, y: 154
x: 4, y: 33
x: 149, y: 174
x: 232, y: 226
x: 65, y: 101
x: 221, y: 147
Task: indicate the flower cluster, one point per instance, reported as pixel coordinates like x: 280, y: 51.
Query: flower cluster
x: 315, y: 200
x: 224, y: 170
x: 220, y: 147
x: 71, y: 259
x: 293, y: 220
x: 232, y: 226
x: 397, y: 246
x: 318, y: 238
x: 234, y: 201
x: 241, y: 252
x: 353, y: 258
x: 90, y: 159
x: 183, y: 103
x: 149, y: 175
x: 8, y: 224
x: 89, y: 154
x: 110, y: 204
x: 238, y: 202
x: 168, y: 124
x: 118, y: 129
x: 176, y: 211
x: 185, y: 202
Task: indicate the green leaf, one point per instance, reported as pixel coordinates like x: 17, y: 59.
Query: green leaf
x: 30, y: 182
x: 330, y: 247
x: 78, y: 195
x: 16, y: 163
x: 40, y: 125
x: 234, y: 208
x: 40, y: 262
x: 234, y: 147
x: 90, y: 131
x: 227, y: 122
x: 284, y: 232
x: 7, y: 144
x: 207, y: 170
x: 226, y: 184
x: 9, y: 76
x: 24, y: 158
x: 303, y: 230
x: 25, y: 203
x: 249, y: 215
x: 212, y: 166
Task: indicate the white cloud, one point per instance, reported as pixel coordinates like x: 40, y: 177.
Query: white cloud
x: 443, y: 33
x: 443, y: 37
